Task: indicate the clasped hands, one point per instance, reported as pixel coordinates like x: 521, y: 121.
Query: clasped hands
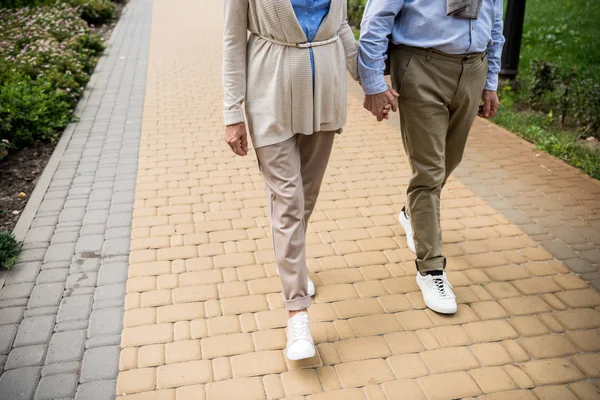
x: 380, y: 104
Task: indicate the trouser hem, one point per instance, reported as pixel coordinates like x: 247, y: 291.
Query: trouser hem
x: 298, y: 304
x: 431, y: 264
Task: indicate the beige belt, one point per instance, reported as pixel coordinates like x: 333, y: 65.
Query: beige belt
x: 305, y: 45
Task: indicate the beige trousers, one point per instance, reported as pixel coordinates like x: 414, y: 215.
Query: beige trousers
x: 439, y: 98
x: 293, y: 171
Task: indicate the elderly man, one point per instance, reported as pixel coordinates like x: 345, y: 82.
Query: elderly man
x: 444, y: 61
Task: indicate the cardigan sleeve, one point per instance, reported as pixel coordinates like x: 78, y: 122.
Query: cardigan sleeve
x: 350, y: 45
x: 235, y: 37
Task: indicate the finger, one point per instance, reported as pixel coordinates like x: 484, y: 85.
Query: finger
x: 393, y: 92
x: 395, y: 105
x: 487, y: 104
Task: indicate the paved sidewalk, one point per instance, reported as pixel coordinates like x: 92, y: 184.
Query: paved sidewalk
x: 204, y: 315
x: 61, y: 310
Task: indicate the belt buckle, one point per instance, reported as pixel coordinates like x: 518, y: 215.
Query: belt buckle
x: 305, y: 45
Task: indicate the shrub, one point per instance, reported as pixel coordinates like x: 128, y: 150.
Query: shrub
x: 31, y: 110
x: 48, y: 54
x: 9, y: 250
x: 355, y: 12
x: 96, y: 11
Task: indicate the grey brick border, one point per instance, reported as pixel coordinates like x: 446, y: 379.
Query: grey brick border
x: 61, y: 307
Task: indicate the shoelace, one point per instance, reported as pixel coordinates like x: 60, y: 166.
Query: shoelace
x: 440, y: 283
x: 300, y: 327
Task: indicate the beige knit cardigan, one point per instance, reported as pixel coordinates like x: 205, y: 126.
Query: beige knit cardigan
x: 273, y: 81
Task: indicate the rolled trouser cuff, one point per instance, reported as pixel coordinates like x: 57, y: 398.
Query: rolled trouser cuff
x: 298, y: 304
x: 431, y: 264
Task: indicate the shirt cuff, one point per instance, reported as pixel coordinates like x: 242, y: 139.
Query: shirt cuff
x: 232, y: 117
x: 492, y: 81
x: 374, y: 84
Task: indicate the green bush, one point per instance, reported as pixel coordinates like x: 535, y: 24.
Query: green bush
x: 31, y: 110
x: 9, y: 250
x: 355, y: 12
x: 96, y: 11
x: 48, y: 54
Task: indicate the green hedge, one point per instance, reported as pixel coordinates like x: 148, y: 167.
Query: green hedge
x: 48, y: 53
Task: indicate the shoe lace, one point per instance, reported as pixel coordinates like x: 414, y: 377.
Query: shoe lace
x: 300, y: 327
x: 442, y: 286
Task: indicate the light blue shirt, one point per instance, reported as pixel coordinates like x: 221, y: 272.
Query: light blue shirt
x: 424, y: 23
x: 310, y: 14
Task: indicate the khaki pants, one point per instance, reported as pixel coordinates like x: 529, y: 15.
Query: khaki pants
x: 439, y: 98
x: 293, y: 171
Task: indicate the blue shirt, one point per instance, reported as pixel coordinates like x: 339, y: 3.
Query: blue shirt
x: 310, y: 14
x: 424, y: 23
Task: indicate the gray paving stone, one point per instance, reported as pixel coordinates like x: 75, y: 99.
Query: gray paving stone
x: 566, y: 235
x: 116, y: 291
x: 71, y: 326
x: 19, y: 384
x: 60, y: 252
x: 32, y: 255
x: 11, y: 315
x: 80, y: 291
x: 28, y: 356
x: 14, y: 302
x: 51, y: 205
x: 99, y: 364
x: 66, y: 346
x: 99, y: 205
x: 57, y: 194
x: 98, y: 390
x: 579, y: 265
x: 57, y: 387
x: 111, y: 273
x: 95, y: 217
x: 102, y: 341
x: 55, y: 265
x: 18, y: 291
x: 35, y: 330
x: 90, y: 244
x: 95, y: 229
x: 65, y: 237
x: 559, y: 250
x: 106, y: 321
x: 517, y: 217
x: 118, y: 233
x: 84, y: 279
x: 84, y: 265
x: 72, y: 215
x: 44, y: 221
x: 108, y: 303
x: 75, y: 203
x: 41, y: 234
x: 591, y: 255
x: 46, y: 295
x: 7, y: 337
x: 69, y: 367
x: 115, y: 247
x: 101, y: 194
x: 74, y: 308
x: 34, y: 312
x: 120, y: 208
x: 118, y: 220
x: 23, y: 273
x: 53, y: 275
x: 2, y: 361
x: 595, y: 284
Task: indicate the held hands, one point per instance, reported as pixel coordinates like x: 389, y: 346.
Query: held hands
x: 490, y: 104
x: 380, y: 104
x: 237, y: 138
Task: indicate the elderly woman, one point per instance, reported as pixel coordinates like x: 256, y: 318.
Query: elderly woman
x: 289, y: 73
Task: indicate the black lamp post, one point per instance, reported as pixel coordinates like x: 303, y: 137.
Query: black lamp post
x: 513, y: 31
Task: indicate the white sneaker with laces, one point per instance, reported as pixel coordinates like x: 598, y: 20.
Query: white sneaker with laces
x: 406, y: 225
x: 311, y: 286
x: 437, y: 292
x: 300, y: 344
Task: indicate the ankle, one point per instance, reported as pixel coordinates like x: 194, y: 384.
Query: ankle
x: 292, y: 313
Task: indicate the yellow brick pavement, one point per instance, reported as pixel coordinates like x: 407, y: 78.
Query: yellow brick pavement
x: 204, y: 314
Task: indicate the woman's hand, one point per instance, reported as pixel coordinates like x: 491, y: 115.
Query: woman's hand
x: 237, y: 138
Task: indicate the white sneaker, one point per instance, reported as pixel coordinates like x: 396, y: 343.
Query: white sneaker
x: 437, y: 292
x: 300, y: 344
x: 406, y: 225
x: 311, y: 286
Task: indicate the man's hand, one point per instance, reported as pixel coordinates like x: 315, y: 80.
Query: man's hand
x: 380, y: 104
x: 237, y: 138
x: 490, y: 105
